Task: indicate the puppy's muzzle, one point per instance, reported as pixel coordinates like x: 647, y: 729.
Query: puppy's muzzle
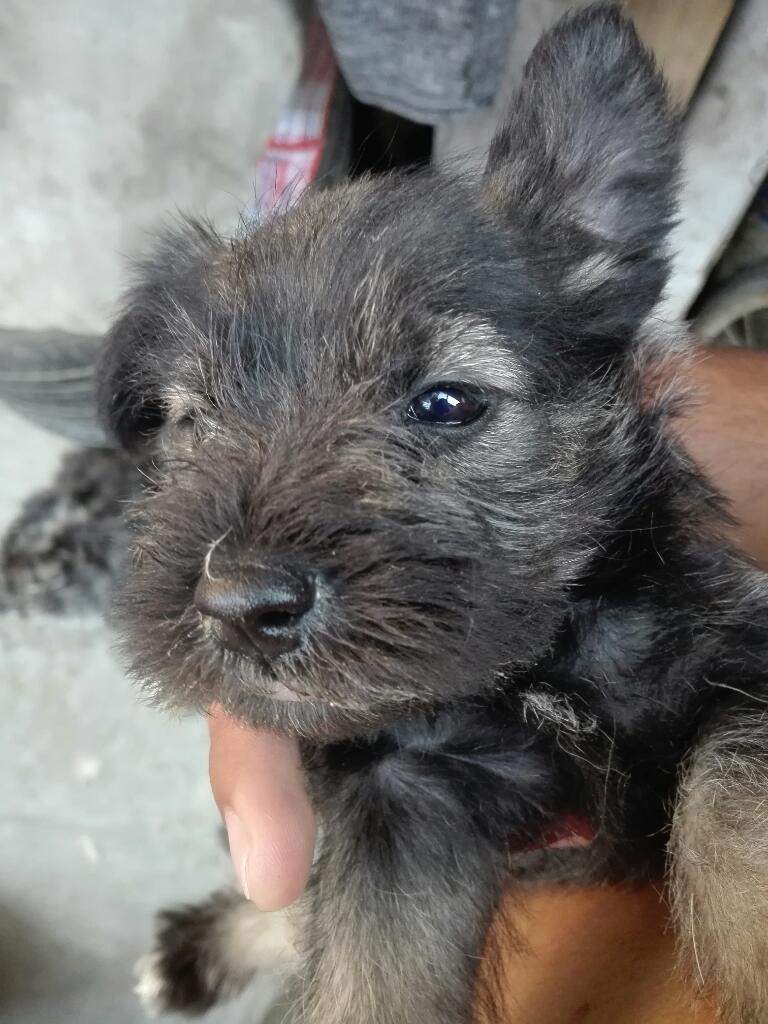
x: 257, y: 610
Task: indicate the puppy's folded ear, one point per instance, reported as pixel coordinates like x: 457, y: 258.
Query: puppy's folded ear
x: 169, y: 300
x: 129, y: 407
x: 586, y: 162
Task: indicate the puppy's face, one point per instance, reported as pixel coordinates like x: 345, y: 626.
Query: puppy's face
x: 385, y: 442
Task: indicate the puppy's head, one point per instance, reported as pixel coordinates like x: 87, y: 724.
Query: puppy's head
x: 384, y: 425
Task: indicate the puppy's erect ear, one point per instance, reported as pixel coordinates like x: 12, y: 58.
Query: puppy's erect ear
x: 587, y: 158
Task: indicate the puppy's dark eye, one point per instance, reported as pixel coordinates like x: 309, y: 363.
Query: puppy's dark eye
x: 182, y: 430
x: 185, y: 426
x: 449, y: 405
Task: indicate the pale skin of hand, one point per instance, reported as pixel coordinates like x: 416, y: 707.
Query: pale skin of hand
x: 256, y: 776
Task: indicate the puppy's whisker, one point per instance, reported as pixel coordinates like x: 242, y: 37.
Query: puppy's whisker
x: 209, y: 554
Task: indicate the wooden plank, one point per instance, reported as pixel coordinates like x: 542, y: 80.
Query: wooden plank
x: 725, y: 153
x: 682, y: 34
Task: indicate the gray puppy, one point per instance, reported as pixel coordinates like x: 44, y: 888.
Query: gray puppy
x: 415, y: 502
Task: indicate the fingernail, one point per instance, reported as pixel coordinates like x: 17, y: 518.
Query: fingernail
x: 239, y: 848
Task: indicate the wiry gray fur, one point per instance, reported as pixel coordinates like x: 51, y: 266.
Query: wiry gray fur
x: 526, y: 617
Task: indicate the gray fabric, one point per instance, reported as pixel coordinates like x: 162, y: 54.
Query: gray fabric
x: 428, y: 60
x: 47, y: 377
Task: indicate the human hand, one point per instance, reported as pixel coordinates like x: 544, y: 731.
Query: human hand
x: 258, y: 785
x: 723, y: 428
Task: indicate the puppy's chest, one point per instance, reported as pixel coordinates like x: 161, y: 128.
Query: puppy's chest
x: 604, y: 721
x: 638, y: 672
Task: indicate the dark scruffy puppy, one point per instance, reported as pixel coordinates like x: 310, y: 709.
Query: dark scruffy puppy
x: 415, y: 502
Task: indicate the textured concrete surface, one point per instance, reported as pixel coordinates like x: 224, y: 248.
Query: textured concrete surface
x: 111, y: 116
x: 106, y: 812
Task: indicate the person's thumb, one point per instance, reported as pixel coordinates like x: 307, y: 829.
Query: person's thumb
x: 258, y: 784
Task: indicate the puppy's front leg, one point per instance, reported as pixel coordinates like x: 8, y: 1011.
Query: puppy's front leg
x: 415, y: 830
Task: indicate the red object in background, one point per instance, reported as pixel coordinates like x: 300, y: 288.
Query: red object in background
x: 292, y: 155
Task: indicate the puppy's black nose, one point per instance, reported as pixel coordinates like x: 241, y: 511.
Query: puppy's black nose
x: 257, y: 608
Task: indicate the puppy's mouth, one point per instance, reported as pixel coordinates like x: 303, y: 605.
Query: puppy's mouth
x: 263, y: 674
x: 235, y: 645
x: 280, y: 692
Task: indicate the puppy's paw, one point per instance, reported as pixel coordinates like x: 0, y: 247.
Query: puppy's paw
x: 186, y: 971
x: 209, y: 952
x: 151, y: 987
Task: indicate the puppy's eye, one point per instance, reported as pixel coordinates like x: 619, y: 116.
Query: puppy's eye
x: 182, y: 431
x: 449, y: 405
x: 185, y: 425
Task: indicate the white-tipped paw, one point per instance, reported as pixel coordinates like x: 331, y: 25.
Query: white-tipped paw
x: 150, y: 985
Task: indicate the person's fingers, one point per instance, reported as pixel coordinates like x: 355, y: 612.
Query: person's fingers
x: 258, y: 784
x: 723, y: 427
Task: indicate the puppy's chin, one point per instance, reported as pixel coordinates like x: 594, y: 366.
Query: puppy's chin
x: 323, y: 698
x: 262, y: 700
x: 314, y: 720
x: 281, y: 697
x: 281, y: 693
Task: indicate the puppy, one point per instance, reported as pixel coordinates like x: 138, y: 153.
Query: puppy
x: 415, y: 501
